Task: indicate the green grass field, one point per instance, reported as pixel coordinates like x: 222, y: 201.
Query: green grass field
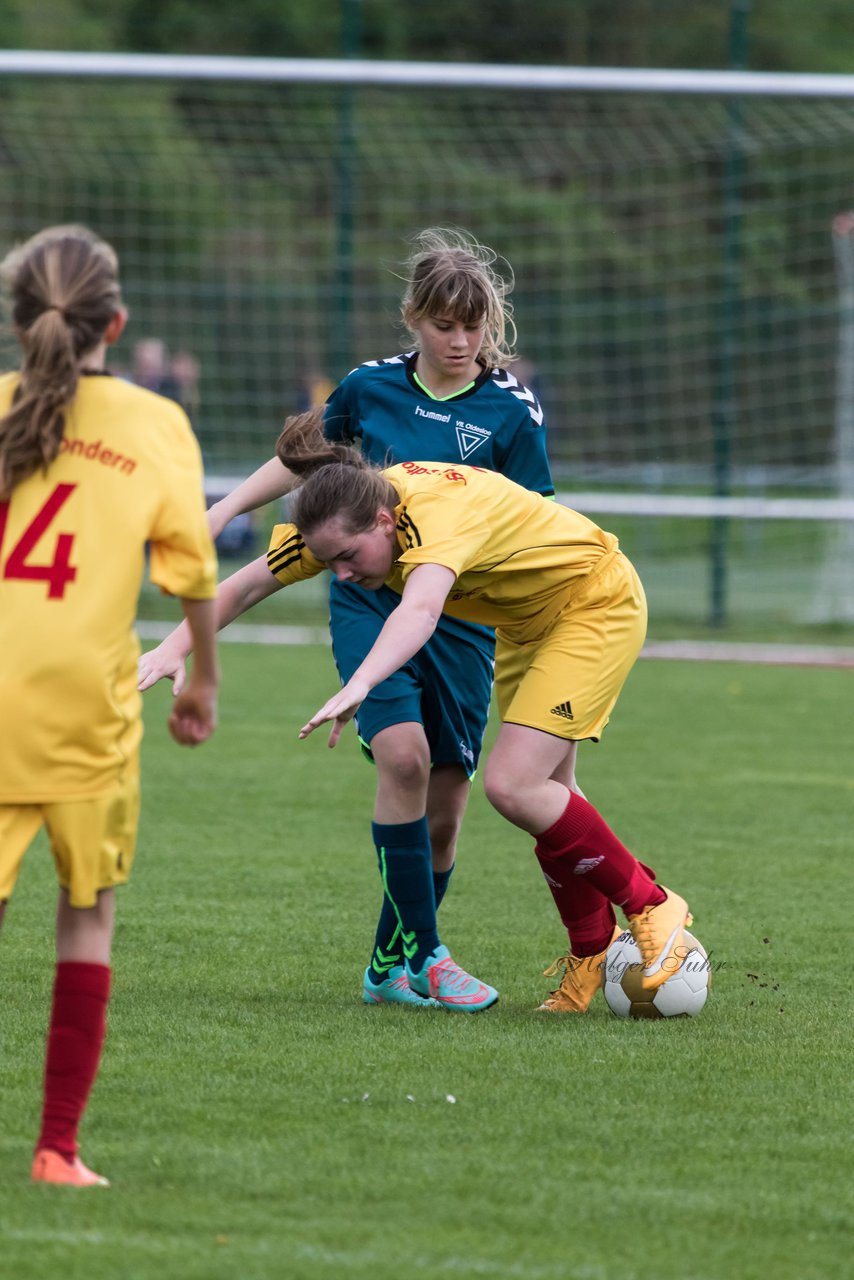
x: 258, y: 1122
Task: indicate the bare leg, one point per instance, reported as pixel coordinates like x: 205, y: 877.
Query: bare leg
x: 521, y: 776
x: 402, y: 758
x: 85, y: 934
x: 565, y: 771
x: 447, y: 796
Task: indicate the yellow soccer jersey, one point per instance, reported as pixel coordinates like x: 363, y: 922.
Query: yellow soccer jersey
x: 515, y: 554
x: 72, y: 556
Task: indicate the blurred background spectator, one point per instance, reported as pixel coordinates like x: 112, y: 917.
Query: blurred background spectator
x: 151, y: 369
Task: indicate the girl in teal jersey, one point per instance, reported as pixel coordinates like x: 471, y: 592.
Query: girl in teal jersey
x: 452, y: 397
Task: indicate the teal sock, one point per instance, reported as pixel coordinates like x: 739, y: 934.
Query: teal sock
x: 403, y: 849
x: 388, y: 950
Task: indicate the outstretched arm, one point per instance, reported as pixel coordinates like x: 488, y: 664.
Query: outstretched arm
x: 235, y: 595
x: 406, y: 630
x: 194, y: 713
x: 270, y: 481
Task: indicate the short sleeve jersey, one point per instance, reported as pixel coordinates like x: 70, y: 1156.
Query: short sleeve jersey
x: 72, y: 556
x: 515, y: 556
x: 496, y: 423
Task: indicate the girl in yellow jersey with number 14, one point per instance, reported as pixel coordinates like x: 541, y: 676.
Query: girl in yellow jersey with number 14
x: 570, y: 618
x: 91, y: 470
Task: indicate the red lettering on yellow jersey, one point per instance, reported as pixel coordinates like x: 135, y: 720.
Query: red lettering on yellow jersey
x: 94, y: 451
x: 415, y: 469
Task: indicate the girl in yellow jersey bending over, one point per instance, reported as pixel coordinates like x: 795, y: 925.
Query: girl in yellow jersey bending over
x: 91, y: 470
x: 570, y: 619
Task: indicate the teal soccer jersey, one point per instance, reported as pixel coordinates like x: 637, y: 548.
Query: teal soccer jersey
x: 495, y: 423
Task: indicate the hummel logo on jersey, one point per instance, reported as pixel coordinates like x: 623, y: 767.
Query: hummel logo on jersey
x: 429, y: 413
x: 587, y: 864
x: 563, y: 709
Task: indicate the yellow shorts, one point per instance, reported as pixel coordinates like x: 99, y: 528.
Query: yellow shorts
x: 567, y: 680
x: 92, y: 840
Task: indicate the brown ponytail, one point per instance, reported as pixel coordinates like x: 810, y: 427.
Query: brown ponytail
x: 64, y: 291
x: 338, y: 480
x: 302, y: 447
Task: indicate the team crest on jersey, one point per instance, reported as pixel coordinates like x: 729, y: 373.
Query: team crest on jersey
x: 470, y: 437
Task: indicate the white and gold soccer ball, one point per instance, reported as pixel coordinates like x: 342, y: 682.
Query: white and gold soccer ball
x: 681, y: 996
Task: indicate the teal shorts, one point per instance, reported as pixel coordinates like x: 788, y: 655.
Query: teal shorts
x: 446, y: 687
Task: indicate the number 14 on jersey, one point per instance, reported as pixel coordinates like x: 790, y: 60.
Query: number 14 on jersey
x: 59, y: 572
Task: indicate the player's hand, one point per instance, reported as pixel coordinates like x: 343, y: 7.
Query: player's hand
x: 162, y: 664
x: 194, y: 715
x: 340, y: 709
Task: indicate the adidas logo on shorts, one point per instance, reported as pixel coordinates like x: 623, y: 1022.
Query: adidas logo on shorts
x: 563, y: 709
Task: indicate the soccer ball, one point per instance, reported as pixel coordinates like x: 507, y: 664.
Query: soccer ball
x: 682, y: 995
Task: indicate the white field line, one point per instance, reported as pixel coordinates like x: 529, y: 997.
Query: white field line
x: 792, y: 655
x: 780, y: 655
x: 245, y: 633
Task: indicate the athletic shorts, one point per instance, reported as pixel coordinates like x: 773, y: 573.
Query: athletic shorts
x: 566, y: 681
x: 446, y: 687
x: 92, y: 840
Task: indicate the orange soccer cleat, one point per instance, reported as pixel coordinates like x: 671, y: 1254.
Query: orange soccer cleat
x: 50, y: 1166
x: 660, y: 936
x: 582, y: 978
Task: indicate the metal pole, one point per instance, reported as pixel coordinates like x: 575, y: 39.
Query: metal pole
x: 833, y: 599
x: 725, y: 414
x: 341, y: 344
x: 843, y: 247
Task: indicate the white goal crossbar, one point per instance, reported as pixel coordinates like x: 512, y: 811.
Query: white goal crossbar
x: 428, y: 74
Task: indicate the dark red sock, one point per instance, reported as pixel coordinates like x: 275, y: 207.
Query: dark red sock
x: 587, y: 914
x: 74, y: 1041
x: 582, y: 842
